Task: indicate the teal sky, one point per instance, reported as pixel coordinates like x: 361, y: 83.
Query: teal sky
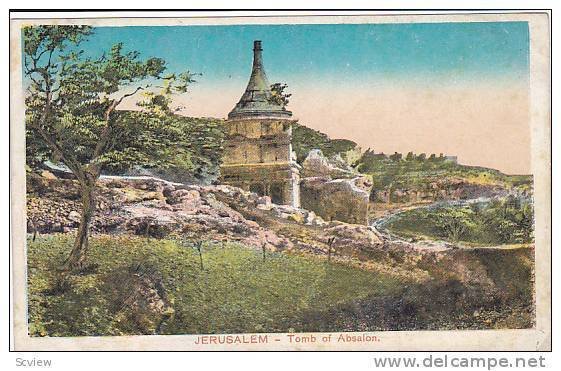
x: 332, y: 53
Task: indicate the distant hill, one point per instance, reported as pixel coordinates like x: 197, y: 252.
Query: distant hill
x: 417, y: 171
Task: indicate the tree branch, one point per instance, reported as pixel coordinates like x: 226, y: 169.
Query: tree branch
x: 105, y: 134
x: 129, y: 95
x: 68, y: 159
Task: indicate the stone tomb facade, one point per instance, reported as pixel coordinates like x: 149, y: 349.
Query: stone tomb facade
x: 258, y: 153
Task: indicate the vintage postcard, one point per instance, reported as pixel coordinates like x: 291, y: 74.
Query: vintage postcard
x: 364, y: 181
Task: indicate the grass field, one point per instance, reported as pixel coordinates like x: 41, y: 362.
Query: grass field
x: 235, y: 291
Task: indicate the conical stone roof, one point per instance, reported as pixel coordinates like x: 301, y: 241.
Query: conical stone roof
x: 255, y: 101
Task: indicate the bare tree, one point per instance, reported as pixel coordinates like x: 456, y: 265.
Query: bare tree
x: 199, y: 247
x: 264, y: 248
x: 329, y: 249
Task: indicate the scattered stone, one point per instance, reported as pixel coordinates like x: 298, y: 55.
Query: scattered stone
x: 354, y: 234
x: 48, y: 175
x: 169, y: 211
x: 74, y: 216
x: 264, y: 203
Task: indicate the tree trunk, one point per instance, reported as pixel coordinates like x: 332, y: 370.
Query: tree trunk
x: 75, y: 260
x: 201, y: 258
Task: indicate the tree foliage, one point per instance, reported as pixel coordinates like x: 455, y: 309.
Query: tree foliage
x: 508, y: 220
x: 72, y: 110
x: 196, y: 154
x: 305, y: 139
x: 279, y: 95
x: 454, y: 223
x: 83, y: 127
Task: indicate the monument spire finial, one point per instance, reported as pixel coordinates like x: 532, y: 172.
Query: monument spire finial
x: 258, y: 58
x: 255, y: 101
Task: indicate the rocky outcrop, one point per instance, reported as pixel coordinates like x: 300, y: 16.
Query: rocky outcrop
x: 333, y: 190
x: 159, y: 209
x: 194, y: 212
x: 215, y: 213
x: 339, y: 199
x: 317, y: 165
x: 437, y: 190
x: 347, y: 239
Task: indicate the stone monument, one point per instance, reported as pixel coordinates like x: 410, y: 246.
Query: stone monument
x: 257, y: 152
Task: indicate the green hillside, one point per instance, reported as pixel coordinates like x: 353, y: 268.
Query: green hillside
x: 235, y: 291
x: 499, y: 222
x: 417, y: 170
x: 147, y: 286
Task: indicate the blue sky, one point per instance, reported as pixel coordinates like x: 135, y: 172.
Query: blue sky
x: 351, y: 52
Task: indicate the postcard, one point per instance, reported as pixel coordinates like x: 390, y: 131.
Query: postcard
x: 342, y: 181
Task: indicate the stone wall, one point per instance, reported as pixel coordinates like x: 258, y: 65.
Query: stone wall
x: 444, y: 189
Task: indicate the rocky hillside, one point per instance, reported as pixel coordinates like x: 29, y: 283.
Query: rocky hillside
x: 430, y: 289
x: 153, y: 208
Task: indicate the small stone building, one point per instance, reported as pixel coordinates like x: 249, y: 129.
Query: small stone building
x: 258, y: 153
